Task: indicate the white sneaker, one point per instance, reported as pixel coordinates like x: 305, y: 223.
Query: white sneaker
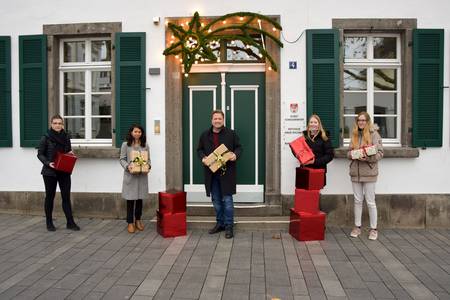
x: 373, y: 234
x: 355, y: 232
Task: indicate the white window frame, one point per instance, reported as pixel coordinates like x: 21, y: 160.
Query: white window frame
x: 87, y: 67
x: 369, y: 63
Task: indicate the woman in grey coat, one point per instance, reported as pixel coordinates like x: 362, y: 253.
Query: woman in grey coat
x: 135, y: 183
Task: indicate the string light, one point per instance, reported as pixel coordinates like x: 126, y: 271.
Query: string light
x: 198, y: 45
x: 270, y: 68
x: 186, y: 74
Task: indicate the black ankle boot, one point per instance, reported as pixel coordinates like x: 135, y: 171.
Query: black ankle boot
x: 229, y: 232
x: 216, y: 229
x: 72, y: 226
x: 50, y: 226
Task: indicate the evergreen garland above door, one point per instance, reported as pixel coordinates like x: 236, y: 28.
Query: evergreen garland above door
x: 195, y: 41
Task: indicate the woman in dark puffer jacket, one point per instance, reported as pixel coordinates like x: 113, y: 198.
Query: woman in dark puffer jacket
x: 318, y: 140
x: 56, y: 140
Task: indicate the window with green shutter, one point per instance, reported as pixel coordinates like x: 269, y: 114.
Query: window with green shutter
x: 428, y: 59
x: 322, y: 69
x: 5, y: 92
x: 32, y: 89
x: 130, y: 82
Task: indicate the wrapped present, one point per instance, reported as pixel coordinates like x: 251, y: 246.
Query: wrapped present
x: 139, y: 160
x: 301, y: 150
x: 370, y: 150
x: 306, y: 226
x: 309, y: 178
x: 172, y: 202
x: 171, y: 225
x: 65, y: 162
x: 218, y: 158
x: 357, y: 153
x: 306, y: 200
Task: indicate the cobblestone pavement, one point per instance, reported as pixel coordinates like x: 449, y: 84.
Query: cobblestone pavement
x: 104, y: 261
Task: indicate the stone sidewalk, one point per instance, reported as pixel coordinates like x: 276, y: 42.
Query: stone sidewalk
x: 103, y: 261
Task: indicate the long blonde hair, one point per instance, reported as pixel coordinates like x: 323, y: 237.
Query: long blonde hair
x: 366, y: 135
x: 321, y: 130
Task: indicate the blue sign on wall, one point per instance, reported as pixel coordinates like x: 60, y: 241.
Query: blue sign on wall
x: 293, y: 65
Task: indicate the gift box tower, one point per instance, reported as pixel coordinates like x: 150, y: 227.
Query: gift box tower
x: 171, y: 215
x: 307, y: 222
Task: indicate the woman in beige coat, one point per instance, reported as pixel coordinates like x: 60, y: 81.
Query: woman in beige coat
x: 364, y: 171
x: 135, y: 185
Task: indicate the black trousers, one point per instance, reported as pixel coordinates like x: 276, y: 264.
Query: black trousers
x: 134, y: 210
x: 64, y: 182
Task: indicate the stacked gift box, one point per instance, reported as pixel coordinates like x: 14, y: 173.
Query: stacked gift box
x: 171, y: 215
x: 307, y: 222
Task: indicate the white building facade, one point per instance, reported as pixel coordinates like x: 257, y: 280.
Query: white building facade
x: 338, y: 58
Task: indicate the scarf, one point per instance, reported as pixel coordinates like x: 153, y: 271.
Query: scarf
x: 59, y: 138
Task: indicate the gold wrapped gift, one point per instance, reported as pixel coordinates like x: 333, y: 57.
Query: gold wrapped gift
x: 218, y: 158
x: 357, y: 154
x: 139, y: 162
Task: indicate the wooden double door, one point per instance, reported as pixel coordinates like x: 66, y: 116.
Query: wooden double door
x: 241, y: 96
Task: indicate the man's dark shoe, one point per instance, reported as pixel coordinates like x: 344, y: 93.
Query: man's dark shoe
x: 216, y: 229
x: 229, y: 232
x: 73, y: 226
x: 51, y: 227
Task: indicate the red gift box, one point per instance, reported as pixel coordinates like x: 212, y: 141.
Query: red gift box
x: 309, y: 179
x: 172, y: 202
x: 307, y: 227
x: 301, y: 150
x: 171, y: 225
x: 306, y: 200
x: 65, y: 162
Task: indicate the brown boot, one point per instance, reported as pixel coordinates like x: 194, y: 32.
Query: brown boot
x: 139, y: 225
x: 131, y: 228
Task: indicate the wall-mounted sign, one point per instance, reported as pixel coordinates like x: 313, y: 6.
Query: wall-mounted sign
x: 293, y: 123
x: 293, y: 65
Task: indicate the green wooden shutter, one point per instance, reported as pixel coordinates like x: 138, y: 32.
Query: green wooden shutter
x: 32, y: 89
x: 322, y: 69
x: 130, y: 82
x: 5, y: 92
x: 428, y: 60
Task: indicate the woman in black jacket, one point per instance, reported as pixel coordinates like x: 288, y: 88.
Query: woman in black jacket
x: 56, y: 140
x: 317, y: 139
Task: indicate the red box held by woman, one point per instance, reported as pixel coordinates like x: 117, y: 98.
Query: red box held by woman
x: 306, y: 226
x: 172, y: 202
x: 301, y: 150
x: 65, y: 162
x: 306, y: 200
x: 171, y: 225
x: 309, y: 179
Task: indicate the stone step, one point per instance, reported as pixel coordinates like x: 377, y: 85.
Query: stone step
x: 275, y: 223
x: 240, y: 209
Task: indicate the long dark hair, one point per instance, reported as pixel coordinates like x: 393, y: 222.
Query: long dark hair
x: 142, y: 139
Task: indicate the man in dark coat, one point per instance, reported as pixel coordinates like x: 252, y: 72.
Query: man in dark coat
x: 220, y: 185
